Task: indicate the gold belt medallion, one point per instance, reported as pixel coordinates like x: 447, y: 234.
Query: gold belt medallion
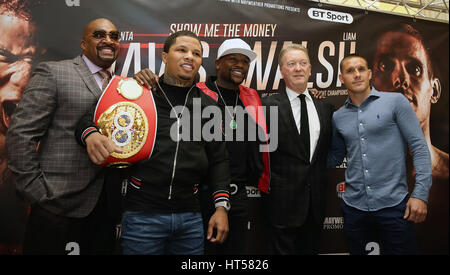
x: 126, y: 124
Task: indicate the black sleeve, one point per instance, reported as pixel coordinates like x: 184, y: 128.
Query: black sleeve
x: 219, y: 178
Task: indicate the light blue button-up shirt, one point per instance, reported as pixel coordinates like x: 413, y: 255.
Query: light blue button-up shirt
x: 374, y: 137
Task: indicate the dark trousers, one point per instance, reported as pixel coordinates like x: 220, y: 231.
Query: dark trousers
x: 48, y: 233
x: 303, y: 240
x: 385, y: 227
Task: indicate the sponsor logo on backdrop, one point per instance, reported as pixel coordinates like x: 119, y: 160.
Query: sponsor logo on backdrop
x: 266, y: 5
x: 331, y: 16
x: 253, y: 192
x: 340, y: 189
x: 72, y: 3
x: 333, y: 223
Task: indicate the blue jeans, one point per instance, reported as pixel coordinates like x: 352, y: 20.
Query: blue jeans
x: 145, y: 233
x: 386, y: 227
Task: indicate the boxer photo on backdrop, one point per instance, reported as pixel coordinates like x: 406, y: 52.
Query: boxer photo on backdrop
x: 402, y: 64
x: 19, y: 51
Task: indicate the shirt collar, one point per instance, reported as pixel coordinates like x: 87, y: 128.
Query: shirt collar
x: 94, y: 68
x: 373, y: 94
x: 293, y: 95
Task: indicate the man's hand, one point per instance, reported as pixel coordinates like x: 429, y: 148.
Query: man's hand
x: 219, y: 221
x: 99, y: 147
x: 416, y: 210
x: 147, y: 78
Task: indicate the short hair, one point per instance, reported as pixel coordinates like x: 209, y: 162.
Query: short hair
x: 173, y: 37
x: 292, y: 47
x: 352, y: 56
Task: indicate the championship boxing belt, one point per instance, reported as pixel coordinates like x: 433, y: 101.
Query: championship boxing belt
x: 126, y: 113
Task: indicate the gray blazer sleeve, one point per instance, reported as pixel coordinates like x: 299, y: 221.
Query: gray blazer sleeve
x: 29, y: 124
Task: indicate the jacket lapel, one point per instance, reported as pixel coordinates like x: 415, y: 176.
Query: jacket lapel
x: 87, y: 76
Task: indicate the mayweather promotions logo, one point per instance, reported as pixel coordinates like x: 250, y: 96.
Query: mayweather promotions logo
x: 333, y: 223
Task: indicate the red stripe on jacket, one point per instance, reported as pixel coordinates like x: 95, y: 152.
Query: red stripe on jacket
x: 226, y: 195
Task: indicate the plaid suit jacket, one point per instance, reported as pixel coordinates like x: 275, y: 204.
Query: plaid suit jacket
x: 50, y: 168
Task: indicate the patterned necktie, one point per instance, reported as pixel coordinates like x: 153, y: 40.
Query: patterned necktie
x: 304, y: 127
x: 106, y: 77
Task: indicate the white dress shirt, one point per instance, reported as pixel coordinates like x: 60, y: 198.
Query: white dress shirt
x: 313, y: 117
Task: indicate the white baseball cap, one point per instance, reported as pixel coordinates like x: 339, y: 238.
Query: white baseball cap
x: 235, y: 45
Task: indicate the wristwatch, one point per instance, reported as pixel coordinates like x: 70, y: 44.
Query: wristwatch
x: 224, y: 204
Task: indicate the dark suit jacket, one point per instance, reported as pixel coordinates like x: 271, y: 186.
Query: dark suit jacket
x: 59, y: 176
x: 294, y: 180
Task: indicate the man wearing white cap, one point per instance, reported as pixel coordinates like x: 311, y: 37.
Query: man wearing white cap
x: 239, y: 106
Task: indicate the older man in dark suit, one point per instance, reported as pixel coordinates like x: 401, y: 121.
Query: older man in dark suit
x: 64, y: 188
x: 296, y: 199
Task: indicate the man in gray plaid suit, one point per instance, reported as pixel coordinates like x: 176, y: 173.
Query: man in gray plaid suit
x: 52, y: 172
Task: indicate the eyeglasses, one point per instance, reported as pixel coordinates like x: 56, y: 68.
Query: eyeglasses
x: 100, y: 34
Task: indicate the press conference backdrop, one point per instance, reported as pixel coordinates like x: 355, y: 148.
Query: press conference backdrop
x: 329, y: 32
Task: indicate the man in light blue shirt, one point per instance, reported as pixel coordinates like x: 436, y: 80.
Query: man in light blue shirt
x: 373, y: 130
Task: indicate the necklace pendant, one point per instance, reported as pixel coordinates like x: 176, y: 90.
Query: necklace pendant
x: 233, y: 124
